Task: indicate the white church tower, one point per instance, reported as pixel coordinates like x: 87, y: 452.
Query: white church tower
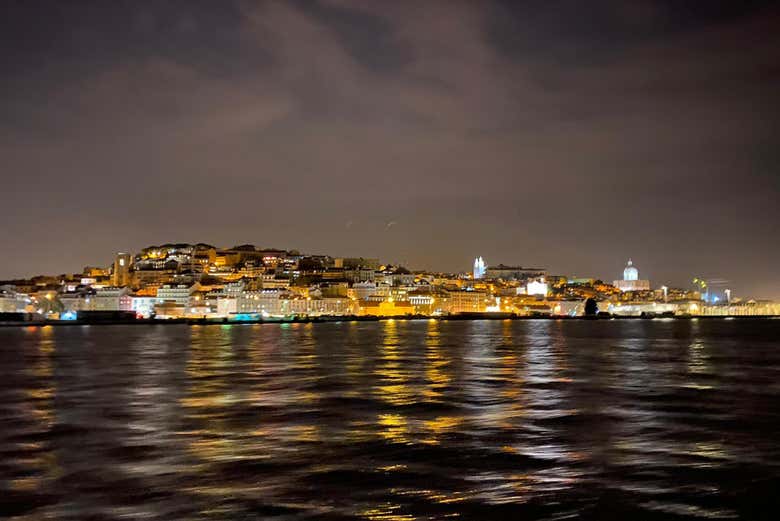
x: 479, y: 268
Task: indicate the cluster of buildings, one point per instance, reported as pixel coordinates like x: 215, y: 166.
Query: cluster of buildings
x: 249, y: 283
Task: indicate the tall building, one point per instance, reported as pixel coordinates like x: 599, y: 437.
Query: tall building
x: 631, y: 280
x: 121, y: 275
x: 479, y: 268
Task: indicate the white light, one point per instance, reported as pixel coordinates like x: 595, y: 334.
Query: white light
x: 536, y: 287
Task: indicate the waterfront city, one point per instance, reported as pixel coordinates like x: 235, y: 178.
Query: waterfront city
x: 250, y: 284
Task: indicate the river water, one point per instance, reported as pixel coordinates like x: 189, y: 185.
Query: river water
x: 392, y: 420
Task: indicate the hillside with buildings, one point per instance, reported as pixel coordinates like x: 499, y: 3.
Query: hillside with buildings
x: 244, y: 282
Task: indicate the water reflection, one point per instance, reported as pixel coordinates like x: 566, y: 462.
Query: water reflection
x: 392, y: 374
x: 392, y: 420
x: 437, y: 365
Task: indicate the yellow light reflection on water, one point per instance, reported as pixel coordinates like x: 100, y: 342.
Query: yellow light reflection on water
x: 392, y: 377
x: 394, y: 428
x: 438, y: 426
x: 40, y: 463
x: 386, y: 512
x: 436, y: 363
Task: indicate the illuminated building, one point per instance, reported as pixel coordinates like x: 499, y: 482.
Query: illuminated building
x: 180, y: 280
x: 225, y: 259
x: 748, y: 308
x: 631, y: 280
x: 121, y: 276
x: 145, y: 278
x: 360, y: 274
x: 169, y: 309
x: 504, y: 272
x: 180, y: 294
x: 143, y: 305
x: 226, y: 305
x: 399, y: 277
x: 580, y: 281
x: 363, y: 290
x: 251, y: 268
x: 537, y: 287
x: 479, y: 268
x: 339, y: 290
x: 176, y: 258
x: 636, y: 309
x: 11, y: 301
x: 567, y: 308
x: 269, y: 281
x: 79, y: 300
x: 467, y: 301
x: 320, y: 306
x: 422, y: 303
x: 266, y: 301
x: 94, y: 272
x: 387, y: 308
x: 111, y: 299
x: 202, y: 256
x: 351, y: 263
x: 84, y: 298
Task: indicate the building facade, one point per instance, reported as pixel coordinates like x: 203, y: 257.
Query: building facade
x: 504, y: 272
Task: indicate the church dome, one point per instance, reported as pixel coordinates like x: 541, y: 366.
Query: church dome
x: 630, y: 273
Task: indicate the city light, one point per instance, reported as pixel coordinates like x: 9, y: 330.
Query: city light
x: 184, y: 282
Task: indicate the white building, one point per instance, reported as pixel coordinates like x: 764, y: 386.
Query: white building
x: 234, y: 289
x: 143, y: 306
x: 537, y: 287
x: 635, y: 309
x: 271, y: 282
x: 363, y: 290
x: 479, y: 268
x: 265, y: 301
x: 227, y: 305
x: 320, y: 306
x: 111, y: 299
x: 631, y: 280
x: 11, y: 301
x: 76, y: 301
x: 177, y: 293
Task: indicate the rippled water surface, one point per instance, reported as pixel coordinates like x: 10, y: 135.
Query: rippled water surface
x: 395, y: 420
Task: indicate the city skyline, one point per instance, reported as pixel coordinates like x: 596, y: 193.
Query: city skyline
x: 466, y: 269
x: 151, y: 257
x: 389, y: 259
x: 427, y: 133
x: 244, y: 283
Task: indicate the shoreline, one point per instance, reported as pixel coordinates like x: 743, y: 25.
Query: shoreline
x: 348, y: 318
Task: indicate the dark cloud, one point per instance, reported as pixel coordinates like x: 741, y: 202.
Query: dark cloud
x: 560, y: 133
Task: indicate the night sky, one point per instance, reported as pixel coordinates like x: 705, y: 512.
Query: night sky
x: 565, y: 134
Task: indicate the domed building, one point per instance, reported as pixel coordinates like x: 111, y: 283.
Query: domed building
x: 630, y: 273
x: 631, y: 280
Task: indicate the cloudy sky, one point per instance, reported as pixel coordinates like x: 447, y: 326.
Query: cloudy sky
x: 558, y: 133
